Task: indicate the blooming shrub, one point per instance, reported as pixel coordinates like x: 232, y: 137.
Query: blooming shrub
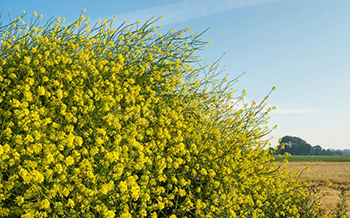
x: 126, y: 122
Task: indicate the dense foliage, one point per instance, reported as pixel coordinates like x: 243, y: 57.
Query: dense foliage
x: 126, y: 122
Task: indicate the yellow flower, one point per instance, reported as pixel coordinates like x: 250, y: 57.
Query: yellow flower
x: 109, y: 214
x: 125, y: 215
x: 79, y: 141
x: 70, y: 203
x: 27, y: 60
x: 19, y: 200
x: 15, y: 103
x: 37, y: 176
x: 101, y: 131
x: 99, y: 141
x: 41, y: 90
x: 123, y: 187
x: 204, y: 172
x: 45, y: 204
x: 182, y: 192
x: 28, y: 215
x: 69, y: 160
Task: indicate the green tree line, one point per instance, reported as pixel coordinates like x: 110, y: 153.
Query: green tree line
x: 297, y: 146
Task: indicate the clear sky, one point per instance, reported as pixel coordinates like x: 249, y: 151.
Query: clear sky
x: 300, y: 46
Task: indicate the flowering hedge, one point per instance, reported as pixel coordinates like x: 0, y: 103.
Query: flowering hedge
x: 127, y: 122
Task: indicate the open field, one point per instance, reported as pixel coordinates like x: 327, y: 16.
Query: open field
x: 336, y: 172
x: 314, y: 158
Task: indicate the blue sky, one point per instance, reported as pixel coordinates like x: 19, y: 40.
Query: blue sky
x: 300, y: 46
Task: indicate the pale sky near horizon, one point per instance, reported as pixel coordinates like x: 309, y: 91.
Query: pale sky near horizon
x: 300, y: 46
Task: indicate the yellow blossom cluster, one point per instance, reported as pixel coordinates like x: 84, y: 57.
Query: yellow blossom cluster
x: 126, y: 122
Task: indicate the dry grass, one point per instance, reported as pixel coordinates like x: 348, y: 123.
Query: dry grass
x: 320, y: 172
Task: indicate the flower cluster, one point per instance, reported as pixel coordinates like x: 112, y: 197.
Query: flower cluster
x: 126, y: 122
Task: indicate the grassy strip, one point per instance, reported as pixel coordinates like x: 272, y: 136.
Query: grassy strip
x: 313, y: 158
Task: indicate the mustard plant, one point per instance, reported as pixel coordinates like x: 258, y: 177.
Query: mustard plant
x: 104, y: 121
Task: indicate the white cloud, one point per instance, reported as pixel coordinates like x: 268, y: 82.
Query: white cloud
x: 188, y: 10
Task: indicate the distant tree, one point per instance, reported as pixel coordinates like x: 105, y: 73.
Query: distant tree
x: 294, y: 145
x: 345, y: 152
x: 338, y: 152
x: 317, y: 150
x: 332, y: 152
